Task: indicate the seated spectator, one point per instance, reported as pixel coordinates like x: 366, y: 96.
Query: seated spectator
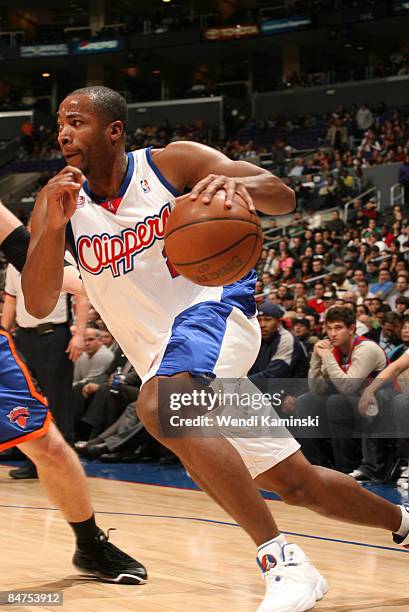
x: 341, y: 284
x: 298, y: 168
x: 100, y: 409
x: 328, y: 193
x: 386, y: 335
x: 108, y: 340
x: 317, y: 301
x: 336, y: 224
x: 90, y: 370
x: 281, y: 355
x: 401, y: 290
x: 318, y: 268
x: 125, y: 441
x: 402, y: 305
x: 363, y: 320
x: 95, y: 360
x: 340, y: 367
x: 384, y: 286
x: 396, y: 406
x: 300, y: 290
x: 363, y: 292
x: 403, y: 346
x: 302, y: 331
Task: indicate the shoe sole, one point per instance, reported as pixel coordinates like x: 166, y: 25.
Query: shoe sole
x: 120, y: 579
x: 308, y: 603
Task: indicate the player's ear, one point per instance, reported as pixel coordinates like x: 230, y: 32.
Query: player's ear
x: 117, y: 129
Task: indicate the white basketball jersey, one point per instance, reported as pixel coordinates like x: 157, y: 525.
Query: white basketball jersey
x: 120, y: 250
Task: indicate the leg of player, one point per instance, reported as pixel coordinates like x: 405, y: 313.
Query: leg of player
x: 63, y: 479
x: 292, y: 582
x: 321, y: 489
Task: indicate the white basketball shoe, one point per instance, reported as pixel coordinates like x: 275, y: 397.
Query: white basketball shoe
x: 293, y: 584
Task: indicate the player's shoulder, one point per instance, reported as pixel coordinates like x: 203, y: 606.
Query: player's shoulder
x: 181, y: 148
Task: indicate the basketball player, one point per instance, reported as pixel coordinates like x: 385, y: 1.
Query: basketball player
x: 25, y: 422
x: 113, y: 207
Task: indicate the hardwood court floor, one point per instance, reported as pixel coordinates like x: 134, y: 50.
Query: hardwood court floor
x: 197, y: 558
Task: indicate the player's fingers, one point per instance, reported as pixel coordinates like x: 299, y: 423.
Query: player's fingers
x: 230, y: 187
x: 76, y: 172
x: 201, y: 186
x: 68, y: 175
x: 211, y: 189
x: 241, y: 189
x: 65, y: 186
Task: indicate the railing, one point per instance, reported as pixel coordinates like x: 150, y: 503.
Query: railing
x: 269, y: 234
x: 283, y: 229
x: 397, y: 195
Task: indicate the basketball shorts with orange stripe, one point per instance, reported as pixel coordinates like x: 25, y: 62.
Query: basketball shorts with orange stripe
x: 24, y: 413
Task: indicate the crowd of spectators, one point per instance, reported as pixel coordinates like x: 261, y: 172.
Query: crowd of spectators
x: 354, y: 137
x: 360, y: 266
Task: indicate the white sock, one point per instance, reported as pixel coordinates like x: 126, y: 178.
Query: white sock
x: 404, y: 526
x: 271, y: 548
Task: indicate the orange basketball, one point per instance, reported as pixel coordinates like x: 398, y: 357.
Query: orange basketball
x: 211, y: 245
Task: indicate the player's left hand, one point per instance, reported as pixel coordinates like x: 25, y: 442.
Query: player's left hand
x: 231, y: 185
x: 75, y: 347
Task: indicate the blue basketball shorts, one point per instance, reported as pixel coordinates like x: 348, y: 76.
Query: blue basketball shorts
x: 24, y: 413
x: 218, y: 340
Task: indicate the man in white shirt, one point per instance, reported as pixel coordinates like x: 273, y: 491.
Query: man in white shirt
x: 364, y: 118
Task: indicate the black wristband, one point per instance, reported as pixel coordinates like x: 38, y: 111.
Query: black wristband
x: 15, y: 247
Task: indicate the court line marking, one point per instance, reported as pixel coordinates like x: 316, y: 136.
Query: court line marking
x: 215, y: 522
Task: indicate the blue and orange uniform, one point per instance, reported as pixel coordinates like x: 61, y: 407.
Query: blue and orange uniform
x: 24, y: 413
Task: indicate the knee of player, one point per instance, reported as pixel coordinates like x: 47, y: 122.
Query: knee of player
x: 50, y: 449
x: 295, y: 495
x: 147, y: 412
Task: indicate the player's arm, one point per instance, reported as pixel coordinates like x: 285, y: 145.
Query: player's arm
x: 206, y: 170
x: 8, y: 222
x: 14, y: 242
x: 76, y: 345
x: 14, y: 238
x: 389, y: 373
x: 42, y: 276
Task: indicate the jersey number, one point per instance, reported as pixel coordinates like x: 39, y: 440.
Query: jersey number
x: 171, y: 269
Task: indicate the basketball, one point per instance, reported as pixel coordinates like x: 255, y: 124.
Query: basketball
x: 211, y: 245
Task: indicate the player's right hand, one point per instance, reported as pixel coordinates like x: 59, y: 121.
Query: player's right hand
x: 62, y: 195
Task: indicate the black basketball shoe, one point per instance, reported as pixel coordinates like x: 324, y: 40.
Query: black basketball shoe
x: 107, y: 562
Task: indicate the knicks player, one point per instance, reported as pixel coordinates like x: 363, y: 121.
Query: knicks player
x: 25, y: 421
x: 112, y: 207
